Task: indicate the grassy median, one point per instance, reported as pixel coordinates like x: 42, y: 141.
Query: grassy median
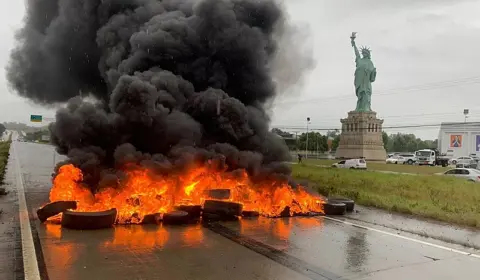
x: 443, y: 198
x: 4, y: 153
x: 381, y: 166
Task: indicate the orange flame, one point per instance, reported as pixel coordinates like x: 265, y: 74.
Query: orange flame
x: 142, y: 192
x: 189, y: 189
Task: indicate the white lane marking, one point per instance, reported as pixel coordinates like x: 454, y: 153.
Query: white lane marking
x: 30, y: 264
x: 406, y: 238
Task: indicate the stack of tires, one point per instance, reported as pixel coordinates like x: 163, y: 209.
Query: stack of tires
x: 338, y: 206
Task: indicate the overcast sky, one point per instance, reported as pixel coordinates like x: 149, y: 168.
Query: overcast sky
x: 426, y: 52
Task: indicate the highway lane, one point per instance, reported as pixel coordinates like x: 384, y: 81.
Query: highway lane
x: 287, y: 248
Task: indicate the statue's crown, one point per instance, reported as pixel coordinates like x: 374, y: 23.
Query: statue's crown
x: 365, y: 49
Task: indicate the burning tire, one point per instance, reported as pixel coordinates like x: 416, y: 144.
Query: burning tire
x: 152, y: 219
x: 176, y: 218
x: 89, y: 220
x: 218, y: 193
x: 194, y: 211
x: 55, y: 208
x: 334, y: 208
x: 209, y: 217
x: 350, y: 204
x: 250, y: 214
x: 223, y: 208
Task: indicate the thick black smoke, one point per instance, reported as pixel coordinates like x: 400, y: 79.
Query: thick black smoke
x: 177, y: 82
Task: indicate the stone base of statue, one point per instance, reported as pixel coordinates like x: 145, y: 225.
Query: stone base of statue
x: 361, y: 137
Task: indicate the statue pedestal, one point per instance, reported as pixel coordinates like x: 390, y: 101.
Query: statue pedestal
x: 361, y: 137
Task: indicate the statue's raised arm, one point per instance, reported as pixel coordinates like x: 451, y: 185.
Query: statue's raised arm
x: 352, y: 38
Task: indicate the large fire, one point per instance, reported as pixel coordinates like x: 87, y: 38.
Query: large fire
x: 143, y: 192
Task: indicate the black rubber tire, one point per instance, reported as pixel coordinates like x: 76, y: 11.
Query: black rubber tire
x: 176, y: 218
x: 89, y: 220
x: 350, y: 204
x: 152, y: 219
x: 410, y: 162
x: 250, y: 214
x: 334, y: 208
x: 454, y: 162
x: 211, y: 217
x: 194, y: 211
x: 55, y: 208
x: 218, y: 193
x: 223, y: 208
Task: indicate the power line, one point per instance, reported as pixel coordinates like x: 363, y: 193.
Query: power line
x: 431, y: 86
x: 434, y: 125
x: 423, y: 115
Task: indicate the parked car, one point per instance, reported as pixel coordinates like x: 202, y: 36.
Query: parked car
x: 408, y: 158
x: 395, y: 160
x: 473, y: 165
x: 469, y: 174
x: 359, y: 163
x: 462, y: 160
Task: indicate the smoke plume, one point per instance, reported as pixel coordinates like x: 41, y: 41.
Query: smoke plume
x: 177, y: 82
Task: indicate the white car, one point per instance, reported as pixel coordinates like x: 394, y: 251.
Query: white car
x: 395, y: 160
x: 462, y: 160
x: 469, y: 174
x: 409, y: 158
x: 351, y: 164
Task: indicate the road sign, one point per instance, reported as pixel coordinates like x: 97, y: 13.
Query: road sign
x: 36, y: 118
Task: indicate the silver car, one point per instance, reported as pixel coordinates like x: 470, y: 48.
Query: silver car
x: 469, y: 174
x: 463, y: 160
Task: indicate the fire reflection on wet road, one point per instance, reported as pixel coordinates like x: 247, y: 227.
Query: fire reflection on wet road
x: 320, y: 248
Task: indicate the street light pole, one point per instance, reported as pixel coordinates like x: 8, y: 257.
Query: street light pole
x: 465, y: 113
x: 306, y: 145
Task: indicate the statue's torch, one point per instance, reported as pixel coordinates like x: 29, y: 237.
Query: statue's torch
x: 352, y: 38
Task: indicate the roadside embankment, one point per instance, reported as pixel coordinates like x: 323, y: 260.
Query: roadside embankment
x: 4, y: 153
x: 443, y: 198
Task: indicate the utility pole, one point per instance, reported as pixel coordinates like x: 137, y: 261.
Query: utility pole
x: 306, y: 144
x: 465, y: 113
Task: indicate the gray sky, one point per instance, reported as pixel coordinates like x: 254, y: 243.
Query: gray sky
x: 425, y: 52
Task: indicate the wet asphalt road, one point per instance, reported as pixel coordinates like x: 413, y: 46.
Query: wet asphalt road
x: 289, y: 248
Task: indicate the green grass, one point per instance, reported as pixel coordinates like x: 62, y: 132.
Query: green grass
x: 381, y: 166
x: 4, y: 153
x: 443, y: 198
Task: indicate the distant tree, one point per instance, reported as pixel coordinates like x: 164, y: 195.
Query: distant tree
x: 385, y: 140
x: 316, y: 141
x: 336, y: 142
x: 335, y: 135
x: 282, y: 133
x: 2, y: 129
x: 401, y: 142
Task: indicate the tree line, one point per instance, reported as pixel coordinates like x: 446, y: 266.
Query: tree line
x: 398, y: 142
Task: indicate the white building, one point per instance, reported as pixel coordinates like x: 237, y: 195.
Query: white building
x: 459, y: 139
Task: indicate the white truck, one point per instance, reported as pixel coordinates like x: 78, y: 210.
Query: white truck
x: 430, y: 157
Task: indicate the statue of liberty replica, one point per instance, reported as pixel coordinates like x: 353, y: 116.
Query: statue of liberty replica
x: 361, y: 135
x: 365, y: 74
